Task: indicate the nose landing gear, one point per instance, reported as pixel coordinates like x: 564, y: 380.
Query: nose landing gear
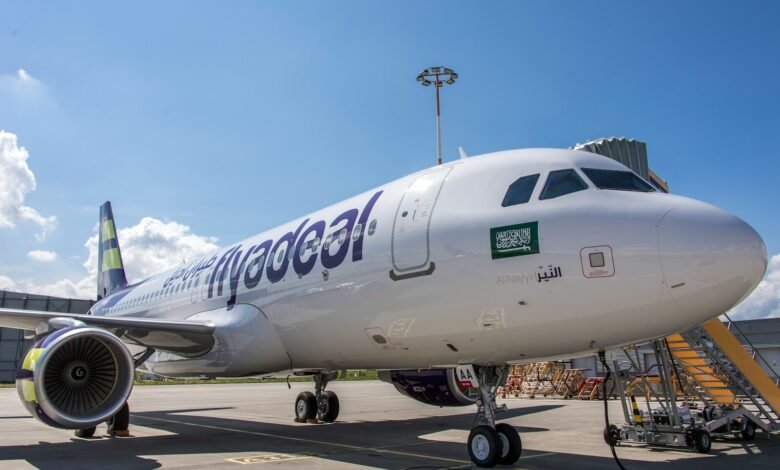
x: 489, y: 443
x: 319, y: 406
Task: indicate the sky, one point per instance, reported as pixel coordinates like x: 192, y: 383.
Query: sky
x: 207, y: 122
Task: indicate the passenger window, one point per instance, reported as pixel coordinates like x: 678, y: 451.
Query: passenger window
x: 520, y: 191
x: 372, y: 227
x: 342, y: 236
x: 356, y: 232
x: 328, y: 241
x: 617, y: 180
x: 562, y: 182
x: 281, y: 256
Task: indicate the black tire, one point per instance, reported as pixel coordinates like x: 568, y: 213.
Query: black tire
x: 88, y: 432
x: 749, y: 433
x: 511, y: 445
x: 305, y: 407
x: 329, y: 408
x: 702, y: 441
x: 484, y: 446
x: 611, y: 435
x: 120, y: 421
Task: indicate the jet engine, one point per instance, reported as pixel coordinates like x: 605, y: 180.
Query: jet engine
x: 76, y: 377
x: 437, y: 387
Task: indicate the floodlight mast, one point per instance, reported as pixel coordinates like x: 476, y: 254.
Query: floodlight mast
x: 441, y: 76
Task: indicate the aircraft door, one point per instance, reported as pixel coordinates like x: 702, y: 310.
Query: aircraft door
x: 410, y: 241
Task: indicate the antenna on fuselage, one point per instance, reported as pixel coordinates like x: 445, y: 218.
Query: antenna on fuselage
x: 462, y: 153
x: 441, y: 76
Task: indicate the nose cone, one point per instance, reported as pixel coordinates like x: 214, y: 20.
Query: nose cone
x: 711, y: 260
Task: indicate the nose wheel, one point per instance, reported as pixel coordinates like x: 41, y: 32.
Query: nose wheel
x: 320, y: 406
x: 489, y: 443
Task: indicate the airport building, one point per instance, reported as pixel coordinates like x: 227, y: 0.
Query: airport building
x: 13, y: 344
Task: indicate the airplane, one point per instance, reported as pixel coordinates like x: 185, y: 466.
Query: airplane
x: 440, y: 280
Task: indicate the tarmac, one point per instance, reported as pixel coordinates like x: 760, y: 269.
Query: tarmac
x: 245, y: 426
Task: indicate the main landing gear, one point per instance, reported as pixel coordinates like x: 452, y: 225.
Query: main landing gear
x: 318, y: 406
x: 489, y: 443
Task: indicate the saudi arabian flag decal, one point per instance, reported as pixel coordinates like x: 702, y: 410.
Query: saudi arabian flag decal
x: 514, y: 240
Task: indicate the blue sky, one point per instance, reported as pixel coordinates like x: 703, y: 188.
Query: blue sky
x: 231, y: 118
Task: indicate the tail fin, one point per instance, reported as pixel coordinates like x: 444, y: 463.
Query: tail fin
x: 111, y: 271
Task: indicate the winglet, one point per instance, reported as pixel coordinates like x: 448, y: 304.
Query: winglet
x: 111, y: 270
x: 462, y: 153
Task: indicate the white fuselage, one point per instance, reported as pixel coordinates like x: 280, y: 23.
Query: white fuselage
x: 415, y: 281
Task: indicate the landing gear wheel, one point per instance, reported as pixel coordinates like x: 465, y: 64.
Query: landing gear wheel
x: 305, y: 407
x: 611, y: 435
x: 119, y: 424
x: 88, y: 432
x: 328, y: 407
x: 749, y: 433
x: 702, y: 441
x: 484, y: 446
x: 511, y: 446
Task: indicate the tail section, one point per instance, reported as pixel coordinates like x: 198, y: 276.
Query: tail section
x: 111, y: 271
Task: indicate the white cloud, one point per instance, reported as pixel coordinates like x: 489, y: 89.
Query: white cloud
x: 149, y: 247
x: 16, y: 181
x: 152, y: 246
x: 764, y: 302
x: 6, y: 283
x: 42, y: 256
x: 22, y: 86
x: 24, y: 76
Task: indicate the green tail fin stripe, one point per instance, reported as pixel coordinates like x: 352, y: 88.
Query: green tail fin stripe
x: 111, y: 259
x: 108, y: 229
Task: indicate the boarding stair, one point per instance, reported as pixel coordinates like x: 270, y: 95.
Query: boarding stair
x: 724, y: 374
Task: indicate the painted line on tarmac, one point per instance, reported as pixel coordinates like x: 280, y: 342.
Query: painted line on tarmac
x: 308, y: 441
x: 545, y: 454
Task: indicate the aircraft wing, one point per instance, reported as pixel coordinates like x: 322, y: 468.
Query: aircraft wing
x: 179, y: 337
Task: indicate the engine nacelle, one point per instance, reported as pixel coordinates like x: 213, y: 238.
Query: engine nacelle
x: 437, y: 387
x: 75, y: 377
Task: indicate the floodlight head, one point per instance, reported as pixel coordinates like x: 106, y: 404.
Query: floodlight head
x: 441, y: 76
x: 422, y: 80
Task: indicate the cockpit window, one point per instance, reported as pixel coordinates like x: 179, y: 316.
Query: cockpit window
x: 617, y: 180
x: 520, y: 191
x: 562, y: 182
